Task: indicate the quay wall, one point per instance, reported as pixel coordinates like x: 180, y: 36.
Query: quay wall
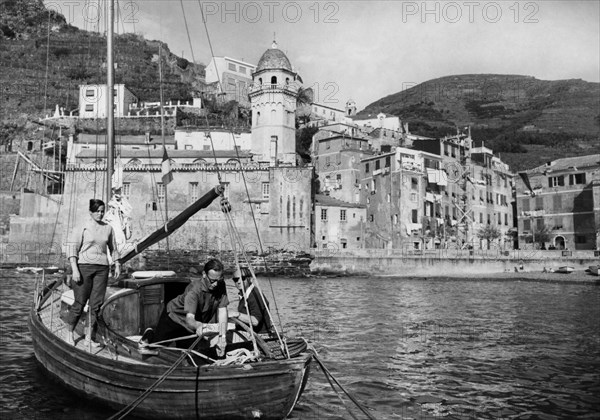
x: 451, y: 263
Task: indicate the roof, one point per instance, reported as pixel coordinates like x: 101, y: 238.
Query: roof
x: 325, y: 200
x: 124, y: 140
x: 570, y: 163
x: 173, y: 154
x: 272, y: 59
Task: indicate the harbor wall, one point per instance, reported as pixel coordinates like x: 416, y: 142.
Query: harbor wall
x: 447, y: 262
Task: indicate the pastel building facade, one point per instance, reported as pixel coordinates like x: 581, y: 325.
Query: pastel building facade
x: 560, y: 200
x: 234, y: 76
x: 93, y: 101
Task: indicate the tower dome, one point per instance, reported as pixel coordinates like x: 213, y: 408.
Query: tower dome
x: 272, y: 59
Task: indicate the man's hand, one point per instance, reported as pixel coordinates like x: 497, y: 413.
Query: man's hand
x: 200, y: 330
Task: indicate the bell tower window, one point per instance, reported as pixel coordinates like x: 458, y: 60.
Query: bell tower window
x: 273, y: 80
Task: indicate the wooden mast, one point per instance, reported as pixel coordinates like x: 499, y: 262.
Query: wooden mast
x: 110, y: 101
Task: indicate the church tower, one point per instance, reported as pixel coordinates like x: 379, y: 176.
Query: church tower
x: 273, y: 100
x: 350, y: 108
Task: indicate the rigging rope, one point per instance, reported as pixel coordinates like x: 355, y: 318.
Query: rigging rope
x: 131, y: 406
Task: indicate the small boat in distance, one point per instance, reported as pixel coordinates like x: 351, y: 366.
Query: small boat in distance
x: 594, y: 269
x: 565, y: 269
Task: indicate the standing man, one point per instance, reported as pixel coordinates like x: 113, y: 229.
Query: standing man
x: 202, y: 308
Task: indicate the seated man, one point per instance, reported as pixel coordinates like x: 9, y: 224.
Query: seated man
x: 203, y: 302
x: 249, y: 294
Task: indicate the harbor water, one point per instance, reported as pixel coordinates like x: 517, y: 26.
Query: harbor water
x: 405, y: 348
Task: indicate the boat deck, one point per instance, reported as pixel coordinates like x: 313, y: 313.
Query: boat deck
x: 50, y: 317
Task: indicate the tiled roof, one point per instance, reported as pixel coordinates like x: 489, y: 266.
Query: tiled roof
x: 274, y: 58
x: 173, y: 154
x: 125, y: 140
x: 325, y: 200
x: 578, y: 162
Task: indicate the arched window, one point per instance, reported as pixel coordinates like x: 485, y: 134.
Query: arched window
x: 300, y: 209
x: 294, y: 208
x: 134, y: 162
x: 29, y: 146
x: 260, y: 80
x: 257, y: 118
x: 199, y: 161
x: 287, y: 80
x: 273, y: 80
x: 288, y: 208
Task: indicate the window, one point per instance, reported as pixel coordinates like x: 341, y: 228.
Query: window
x: 371, y: 218
x: 505, y: 219
x: 242, y: 69
x: 556, y: 181
x: 413, y: 197
x: 327, y: 161
x: 527, y: 224
x: 206, y: 147
x: 188, y: 147
x: 366, y: 168
x: 480, y: 217
x: 324, y: 214
x: 377, y: 164
x: 90, y: 92
x: 388, y: 197
x: 388, y: 161
x: 126, y: 189
x: 231, y: 66
x: 274, y: 81
x: 525, y: 204
x: 577, y: 179
x: 89, y: 108
x: 499, y: 218
x: 489, y: 219
x: 373, y: 185
x: 415, y: 216
x: 193, y: 191
x: 395, y: 219
x: 414, y: 183
x: 265, y: 189
x: 342, y: 215
x: 161, y: 192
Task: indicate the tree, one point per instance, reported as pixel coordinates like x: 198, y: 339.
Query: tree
x: 489, y: 233
x: 540, y: 234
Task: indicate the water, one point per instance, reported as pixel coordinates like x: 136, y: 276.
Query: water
x: 405, y: 348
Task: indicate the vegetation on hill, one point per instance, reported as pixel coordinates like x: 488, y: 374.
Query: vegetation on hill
x: 41, y: 68
x: 525, y: 120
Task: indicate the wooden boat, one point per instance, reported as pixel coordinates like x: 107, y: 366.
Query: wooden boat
x: 265, y: 381
x: 594, y: 269
x: 118, y: 373
x: 564, y: 269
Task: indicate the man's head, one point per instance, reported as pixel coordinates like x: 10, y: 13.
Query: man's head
x: 213, y: 272
x: 244, y: 275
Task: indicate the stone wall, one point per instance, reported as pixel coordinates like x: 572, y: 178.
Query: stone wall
x: 277, y: 263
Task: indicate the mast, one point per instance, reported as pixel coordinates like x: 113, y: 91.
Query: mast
x: 110, y: 101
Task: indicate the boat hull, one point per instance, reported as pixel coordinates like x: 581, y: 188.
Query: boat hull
x: 266, y: 390
x: 564, y: 270
x: 595, y: 269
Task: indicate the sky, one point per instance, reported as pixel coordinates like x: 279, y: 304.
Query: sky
x: 366, y: 50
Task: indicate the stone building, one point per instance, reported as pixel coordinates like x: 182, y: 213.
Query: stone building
x: 557, y: 204
x: 400, y: 210
x: 338, y: 224
x: 273, y: 100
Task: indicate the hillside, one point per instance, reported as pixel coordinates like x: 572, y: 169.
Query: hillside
x: 39, y: 70
x: 526, y: 120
